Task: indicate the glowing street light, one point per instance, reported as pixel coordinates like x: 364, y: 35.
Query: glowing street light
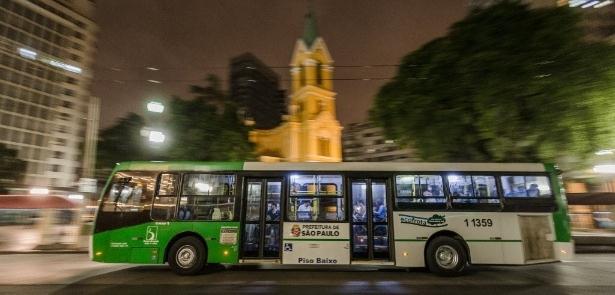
x: 155, y: 107
x: 156, y: 136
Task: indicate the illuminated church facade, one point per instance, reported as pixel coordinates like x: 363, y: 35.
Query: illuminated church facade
x: 310, y: 132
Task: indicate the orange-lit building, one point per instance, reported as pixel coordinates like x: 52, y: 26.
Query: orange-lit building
x: 310, y: 132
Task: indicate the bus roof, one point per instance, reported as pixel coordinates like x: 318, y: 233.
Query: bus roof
x: 342, y: 166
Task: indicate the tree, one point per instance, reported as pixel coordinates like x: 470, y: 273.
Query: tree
x: 207, y: 127
x: 12, y: 168
x: 122, y: 142
x: 212, y: 93
x: 507, y: 83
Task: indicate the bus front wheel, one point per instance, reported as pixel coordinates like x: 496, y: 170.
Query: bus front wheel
x: 446, y: 256
x: 187, y: 256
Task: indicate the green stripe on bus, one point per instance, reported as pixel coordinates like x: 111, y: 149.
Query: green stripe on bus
x: 561, y: 219
x: 321, y: 240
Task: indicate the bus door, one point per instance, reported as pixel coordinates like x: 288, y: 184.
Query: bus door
x: 262, y: 216
x: 370, y: 219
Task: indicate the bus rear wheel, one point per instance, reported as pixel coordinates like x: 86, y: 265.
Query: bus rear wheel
x: 446, y: 256
x: 187, y: 256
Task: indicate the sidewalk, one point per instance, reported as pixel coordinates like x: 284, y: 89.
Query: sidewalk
x: 52, y: 270
x: 594, y: 242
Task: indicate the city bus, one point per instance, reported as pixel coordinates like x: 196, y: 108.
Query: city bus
x: 442, y: 216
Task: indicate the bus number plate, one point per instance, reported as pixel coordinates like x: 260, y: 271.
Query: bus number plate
x: 479, y: 222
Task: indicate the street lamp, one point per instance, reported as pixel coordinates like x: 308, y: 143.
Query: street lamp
x: 156, y: 136
x: 155, y: 107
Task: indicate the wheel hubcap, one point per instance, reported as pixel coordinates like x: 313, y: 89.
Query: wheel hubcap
x: 447, y: 257
x: 186, y: 256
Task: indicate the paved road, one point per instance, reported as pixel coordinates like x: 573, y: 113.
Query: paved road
x: 74, y: 274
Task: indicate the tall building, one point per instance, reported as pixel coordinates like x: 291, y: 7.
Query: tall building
x: 256, y: 88
x: 311, y: 131
x: 364, y: 142
x: 47, y: 112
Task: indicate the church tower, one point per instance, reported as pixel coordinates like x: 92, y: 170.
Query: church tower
x: 310, y: 131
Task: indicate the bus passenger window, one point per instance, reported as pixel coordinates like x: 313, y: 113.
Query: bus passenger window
x: 207, y: 197
x: 316, y: 198
x: 130, y: 192
x: 526, y: 186
x: 415, y: 190
x: 473, y: 189
x: 166, y: 197
x: 460, y: 187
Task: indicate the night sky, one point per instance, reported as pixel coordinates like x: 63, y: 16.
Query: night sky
x: 186, y: 40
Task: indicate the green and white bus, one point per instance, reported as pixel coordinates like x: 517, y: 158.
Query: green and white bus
x: 443, y: 216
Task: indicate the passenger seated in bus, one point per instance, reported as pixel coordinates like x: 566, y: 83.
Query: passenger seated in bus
x: 125, y: 193
x: 533, y: 191
x: 273, y: 211
x: 519, y: 192
x: 304, y: 212
x: 380, y: 211
x: 436, y: 190
x: 184, y: 213
x: 429, y: 193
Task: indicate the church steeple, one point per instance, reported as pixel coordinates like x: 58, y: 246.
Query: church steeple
x: 310, y: 31
x: 311, y: 131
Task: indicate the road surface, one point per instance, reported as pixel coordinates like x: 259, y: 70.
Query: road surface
x: 74, y: 274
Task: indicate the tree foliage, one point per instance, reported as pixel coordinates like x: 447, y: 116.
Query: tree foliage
x: 12, y: 168
x: 122, y: 142
x: 205, y: 128
x: 507, y: 83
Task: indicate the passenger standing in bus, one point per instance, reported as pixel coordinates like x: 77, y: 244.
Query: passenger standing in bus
x: 533, y: 191
x: 380, y: 212
x: 273, y: 211
x: 304, y: 211
x: 359, y: 211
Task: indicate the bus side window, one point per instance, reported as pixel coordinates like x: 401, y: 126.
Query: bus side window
x: 166, y: 197
x: 526, y: 186
x: 130, y: 191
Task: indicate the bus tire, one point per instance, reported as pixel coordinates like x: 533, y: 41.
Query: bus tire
x: 187, y: 256
x: 446, y: 256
